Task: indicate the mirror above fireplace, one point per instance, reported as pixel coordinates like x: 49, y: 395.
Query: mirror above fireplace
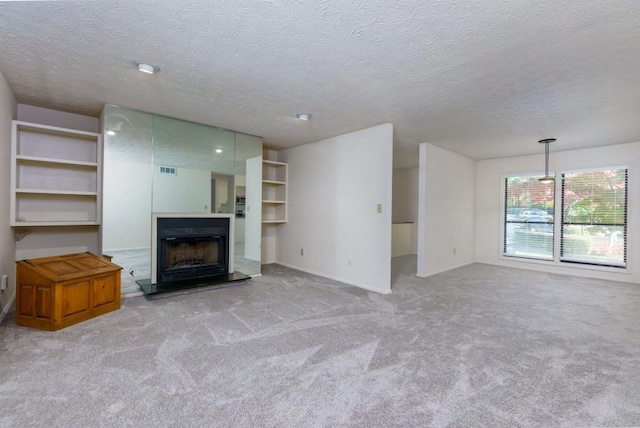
x: 158, y: 164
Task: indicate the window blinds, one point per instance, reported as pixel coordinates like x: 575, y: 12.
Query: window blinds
x: 594, y: 217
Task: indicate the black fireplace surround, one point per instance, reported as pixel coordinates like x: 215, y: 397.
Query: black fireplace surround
x: 192, y: 248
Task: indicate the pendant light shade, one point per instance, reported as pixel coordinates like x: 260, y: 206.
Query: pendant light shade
x: 547, y: 178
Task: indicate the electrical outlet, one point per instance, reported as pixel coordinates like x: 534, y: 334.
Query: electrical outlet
x: 349, y: 262
x: 302, y: 251
x: 454, y: 251
x: 379, y: 208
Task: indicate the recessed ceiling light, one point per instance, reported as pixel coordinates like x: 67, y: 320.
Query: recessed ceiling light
x: 111, y: 133
x: 145, y: 67
x: 218, y: 150
x: 303, y: 116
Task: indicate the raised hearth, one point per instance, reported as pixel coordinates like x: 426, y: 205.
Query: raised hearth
x: 216, y: 281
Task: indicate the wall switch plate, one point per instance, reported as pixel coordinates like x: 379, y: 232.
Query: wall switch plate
x: 3, y: 282
x: 379, y: 208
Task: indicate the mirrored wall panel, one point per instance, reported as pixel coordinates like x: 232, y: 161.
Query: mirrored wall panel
x: 156, y: 164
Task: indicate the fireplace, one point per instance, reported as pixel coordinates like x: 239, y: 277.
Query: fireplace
x: 190, y: 251
x: 190, y: 248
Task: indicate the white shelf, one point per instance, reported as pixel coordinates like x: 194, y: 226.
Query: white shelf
x: 55, y: 192
x: 274, y: 192
x: 55, y: 223
x: 275, y: 183
x: 55, y: 176
x: 53, y: 130
x: 35, y: 159
x: 273, y: 163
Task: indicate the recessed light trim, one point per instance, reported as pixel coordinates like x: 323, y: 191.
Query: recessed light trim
x: 145, y: 67
x: 303, y: 116
x: 218, y: 150
x: 111, y: 132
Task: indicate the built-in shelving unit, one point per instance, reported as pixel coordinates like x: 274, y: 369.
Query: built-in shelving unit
x: 55, y: 176
x: 274, y: 192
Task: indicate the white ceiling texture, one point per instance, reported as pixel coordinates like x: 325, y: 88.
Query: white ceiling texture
x: 481, y: 78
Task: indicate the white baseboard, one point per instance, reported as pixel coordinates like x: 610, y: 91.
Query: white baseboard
x: 134, y: 294
x: 426, y: 275
x: 7, y: 308
x: 355, y: 284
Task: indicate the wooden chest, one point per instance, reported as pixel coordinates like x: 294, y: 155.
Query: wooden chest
x: 56, y: 292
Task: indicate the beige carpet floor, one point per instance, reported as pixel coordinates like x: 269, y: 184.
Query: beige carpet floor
x: 476, y: 346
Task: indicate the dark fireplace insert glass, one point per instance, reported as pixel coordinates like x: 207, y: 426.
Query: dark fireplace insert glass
x: 192, y: 248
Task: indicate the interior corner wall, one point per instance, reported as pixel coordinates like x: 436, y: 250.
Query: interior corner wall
x: 405, y: 203
x: 490, y: 198
x: 334, y: 189
x: 405, y: 195
x: 446, y: 210
x: 270, y: 243
x: 7, y: 242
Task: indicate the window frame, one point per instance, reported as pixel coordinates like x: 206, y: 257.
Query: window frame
x: 557, y: 224
x: 561, y: 224
x: 504, y: 222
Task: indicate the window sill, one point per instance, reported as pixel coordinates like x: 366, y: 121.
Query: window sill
x: 566, y: 265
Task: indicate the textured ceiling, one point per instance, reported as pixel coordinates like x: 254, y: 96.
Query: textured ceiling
x: 481, y: 78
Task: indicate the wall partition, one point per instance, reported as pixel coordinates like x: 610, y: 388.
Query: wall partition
x: 156, y: 164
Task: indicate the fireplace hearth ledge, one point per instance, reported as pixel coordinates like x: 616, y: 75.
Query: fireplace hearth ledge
x: 173, y: 288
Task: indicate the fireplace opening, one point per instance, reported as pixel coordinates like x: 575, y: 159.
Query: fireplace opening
x: 191, y: 248
x: 190, y: 253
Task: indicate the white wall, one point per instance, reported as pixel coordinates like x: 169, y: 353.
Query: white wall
x: 490, y: 197
x: 126, y: 211
x: 405, y: 195
x: 133, y: 187
x: 253, y: 209
x: 405, y: 210
x: 270, y: 243
x: 446, y: 219
x: 7, y: 242
x: 51, y: 241
x: 334, y: 188
x: 188, y: 191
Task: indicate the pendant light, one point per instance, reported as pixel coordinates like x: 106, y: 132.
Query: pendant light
x: 547, y: 178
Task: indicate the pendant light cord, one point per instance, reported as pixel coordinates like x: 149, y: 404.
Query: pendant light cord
x: 546, y: 159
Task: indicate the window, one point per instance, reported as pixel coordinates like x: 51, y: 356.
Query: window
x: 594, y: 217
x: 528, y: 225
